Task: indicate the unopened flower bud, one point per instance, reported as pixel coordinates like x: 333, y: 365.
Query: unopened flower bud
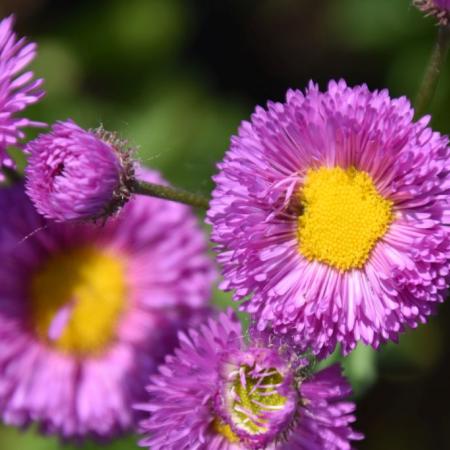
x: 74, y: 174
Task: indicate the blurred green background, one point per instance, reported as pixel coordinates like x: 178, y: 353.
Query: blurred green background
x: 177, y: 76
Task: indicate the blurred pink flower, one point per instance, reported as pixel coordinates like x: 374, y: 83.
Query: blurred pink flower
x: 17, y: 90
x: 87, y: 311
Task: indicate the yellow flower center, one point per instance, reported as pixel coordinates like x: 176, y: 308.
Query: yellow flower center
x: 255, y: 397
x: 77, y: 299
x: 343, y: 217
x: 225, y: 430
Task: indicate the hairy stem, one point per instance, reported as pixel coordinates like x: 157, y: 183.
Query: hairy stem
x: 170, y: 193
x: 433, y: 71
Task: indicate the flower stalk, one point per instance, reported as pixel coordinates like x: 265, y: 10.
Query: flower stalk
x: 170, y: 193
x: 433, y: 71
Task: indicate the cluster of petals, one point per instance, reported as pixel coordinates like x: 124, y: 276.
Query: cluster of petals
x: 439, y: 9
x: 73, y: 174
x: 255, y: 210
x: 191, y: 394
x: 168, y: 277
x: 18, y: 89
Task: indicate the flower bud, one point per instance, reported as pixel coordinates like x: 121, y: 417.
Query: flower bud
x: 74, y: 174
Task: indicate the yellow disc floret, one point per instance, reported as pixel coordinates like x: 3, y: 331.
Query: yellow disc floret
x: 77, y: 298
x: 255, y: 398
x: 225, y: 430
x: 343, y: 217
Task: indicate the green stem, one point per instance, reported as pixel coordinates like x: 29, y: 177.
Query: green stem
x: 431, y: 77
x: 170, y: 193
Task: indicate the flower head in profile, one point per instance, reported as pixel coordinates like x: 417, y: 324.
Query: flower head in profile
x: 87, y: 312
x: 73, y: 174
x: 218, y: 393
x: 331, y: 210
x: 440, y: 9
x: 18, y: 89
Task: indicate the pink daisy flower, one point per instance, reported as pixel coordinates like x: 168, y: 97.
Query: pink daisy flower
x: 331, y: 212
x: 86, y: 312
x: 219, y: 393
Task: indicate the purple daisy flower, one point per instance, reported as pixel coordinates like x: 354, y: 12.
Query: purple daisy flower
x: 332, y: 210
x: 73, y: 174
x: 438, y: 8
x: 17, y: 89
x: 219, y: 393
x: 86, y: 312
